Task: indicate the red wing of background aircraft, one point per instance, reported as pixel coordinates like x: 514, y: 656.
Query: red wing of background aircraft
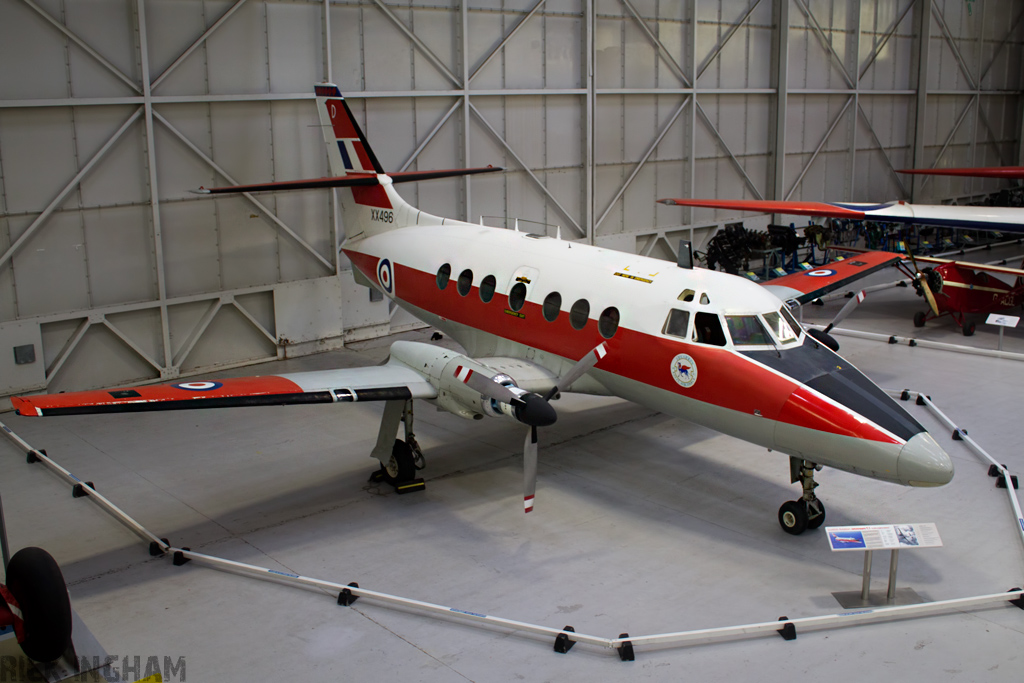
x: 956, y: 288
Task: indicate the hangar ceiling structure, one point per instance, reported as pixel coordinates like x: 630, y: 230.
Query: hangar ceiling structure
x: 112, y: 110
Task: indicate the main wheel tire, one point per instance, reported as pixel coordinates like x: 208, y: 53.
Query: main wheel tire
x: 793, y: 517
x: 36, y: 582
x: 919, y: 318
x: 402, y: 465
x: 968, y: 329
x: 815, y: 522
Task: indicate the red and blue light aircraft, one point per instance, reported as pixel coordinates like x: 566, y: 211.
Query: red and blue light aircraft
x: 538, y: 316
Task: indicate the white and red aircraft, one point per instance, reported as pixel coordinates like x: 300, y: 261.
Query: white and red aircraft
x: 538, y: 315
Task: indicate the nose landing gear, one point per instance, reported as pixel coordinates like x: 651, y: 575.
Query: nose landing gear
x: 796, y: 516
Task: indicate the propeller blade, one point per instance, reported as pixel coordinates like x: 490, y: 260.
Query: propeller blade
x: 846, y: 310
x: 529, y: 468
x: 487, y: 386
x: 588, y: 361
x: 923, y: 280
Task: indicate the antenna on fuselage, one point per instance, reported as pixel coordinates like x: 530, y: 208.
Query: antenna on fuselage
x: 685, y: 257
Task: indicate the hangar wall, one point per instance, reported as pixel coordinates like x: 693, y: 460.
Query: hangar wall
x: 112, y: 110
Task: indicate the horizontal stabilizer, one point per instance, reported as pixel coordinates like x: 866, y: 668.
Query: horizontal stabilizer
x: 351, y: 180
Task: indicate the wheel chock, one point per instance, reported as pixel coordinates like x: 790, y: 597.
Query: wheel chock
x: 993, y: 471
x: 345, y: 597
x: 905, y: 396
x: 155, y: 549
x: 959, y: 434
x: 1019, y: 600
x: 788, y: 630
x: 1001, y: 481
x: 563, y: 643
x: 31, y: 456
x: 179, y: 557
x: 912, y: 342
x: 410, y: 486
x: 920, y: 399
x: 78, y: 491
x: 626, y: 649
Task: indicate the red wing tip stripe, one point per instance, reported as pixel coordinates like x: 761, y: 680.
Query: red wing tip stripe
x: 601, y: 351
x: 861, y: 295
x: 463, y: 374
x: 528, y: 503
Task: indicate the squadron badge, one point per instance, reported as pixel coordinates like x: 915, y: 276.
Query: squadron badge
x: 684, y: 370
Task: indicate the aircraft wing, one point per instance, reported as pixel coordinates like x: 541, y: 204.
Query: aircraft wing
x: 999, y: 270
x: 1005, y: 172
x: 380, y: 383
x: 1004, y: 219
x: 807, y: 285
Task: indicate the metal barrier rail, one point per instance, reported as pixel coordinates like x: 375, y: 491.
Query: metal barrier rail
x: 565, y: 638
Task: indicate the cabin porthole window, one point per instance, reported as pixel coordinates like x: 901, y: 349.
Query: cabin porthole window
x: 608, y: 323
x: 465, y: 282
x: 579, y: 314
x: 552, y: 306
x: 517, y: 296
x: 487, y: 286
x: 444, y: 273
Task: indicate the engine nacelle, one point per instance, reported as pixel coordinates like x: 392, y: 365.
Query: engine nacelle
x: 441, y: 366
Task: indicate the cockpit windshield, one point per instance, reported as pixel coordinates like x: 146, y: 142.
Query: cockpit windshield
x: 747, y: 330
x: 783, y: 325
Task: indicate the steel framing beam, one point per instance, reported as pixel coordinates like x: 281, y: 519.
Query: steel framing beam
x: 735, y: 162
x: 88, y: 49
x: 821, y: 144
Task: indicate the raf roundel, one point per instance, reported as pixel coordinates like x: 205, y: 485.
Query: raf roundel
x: 823, y: 272
x: 198, y: 386
x: 386, y: 275
x: 684, y: 370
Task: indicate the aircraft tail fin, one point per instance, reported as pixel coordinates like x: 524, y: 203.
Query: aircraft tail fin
x: 365, y: 209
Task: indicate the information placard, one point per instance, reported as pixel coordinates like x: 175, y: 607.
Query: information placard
x: 883, y: 537
x: 1002, y: 320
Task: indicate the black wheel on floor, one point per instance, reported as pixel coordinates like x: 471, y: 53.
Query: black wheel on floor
x: 793, y: 517
x: 813, y: 522
x: 402, y: 465
x: 919, y: 318
x: 36, y: 582
x: 968, y: 329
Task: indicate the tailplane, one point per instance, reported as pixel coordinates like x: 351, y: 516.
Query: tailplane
x: 369, y: 203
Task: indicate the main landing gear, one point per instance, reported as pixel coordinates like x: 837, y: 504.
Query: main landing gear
x: 796, y: 516
x: 399, y: 459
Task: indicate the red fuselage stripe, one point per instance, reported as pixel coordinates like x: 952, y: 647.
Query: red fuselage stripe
x: 725, y: 378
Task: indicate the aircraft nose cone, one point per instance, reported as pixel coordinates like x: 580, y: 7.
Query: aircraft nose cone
x: 922, y: 462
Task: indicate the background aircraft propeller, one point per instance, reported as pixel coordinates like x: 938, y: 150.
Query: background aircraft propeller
x: 922, y: 284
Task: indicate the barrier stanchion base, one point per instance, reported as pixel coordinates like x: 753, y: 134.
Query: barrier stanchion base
x: 853, y: 599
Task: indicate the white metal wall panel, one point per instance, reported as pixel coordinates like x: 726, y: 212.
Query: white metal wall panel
x: 295, y: 46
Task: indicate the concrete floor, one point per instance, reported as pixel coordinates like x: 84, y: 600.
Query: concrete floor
x: 644, y: 524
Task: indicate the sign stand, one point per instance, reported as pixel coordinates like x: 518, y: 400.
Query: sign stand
x: 1002, y: 321
x: 881, y: 537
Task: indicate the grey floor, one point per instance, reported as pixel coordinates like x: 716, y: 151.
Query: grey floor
x: 644, y: 524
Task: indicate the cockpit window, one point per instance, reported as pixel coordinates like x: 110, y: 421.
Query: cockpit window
x: 687, y: 295
x: 676, y: 323
x: 704, y: 298
x: 781, y: 327
x: 747, y: 330
x: 707, y: 329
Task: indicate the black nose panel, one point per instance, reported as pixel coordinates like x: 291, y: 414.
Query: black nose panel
x: 827, y: 373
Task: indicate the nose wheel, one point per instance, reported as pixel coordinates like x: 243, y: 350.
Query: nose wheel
x: 796, y: 516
